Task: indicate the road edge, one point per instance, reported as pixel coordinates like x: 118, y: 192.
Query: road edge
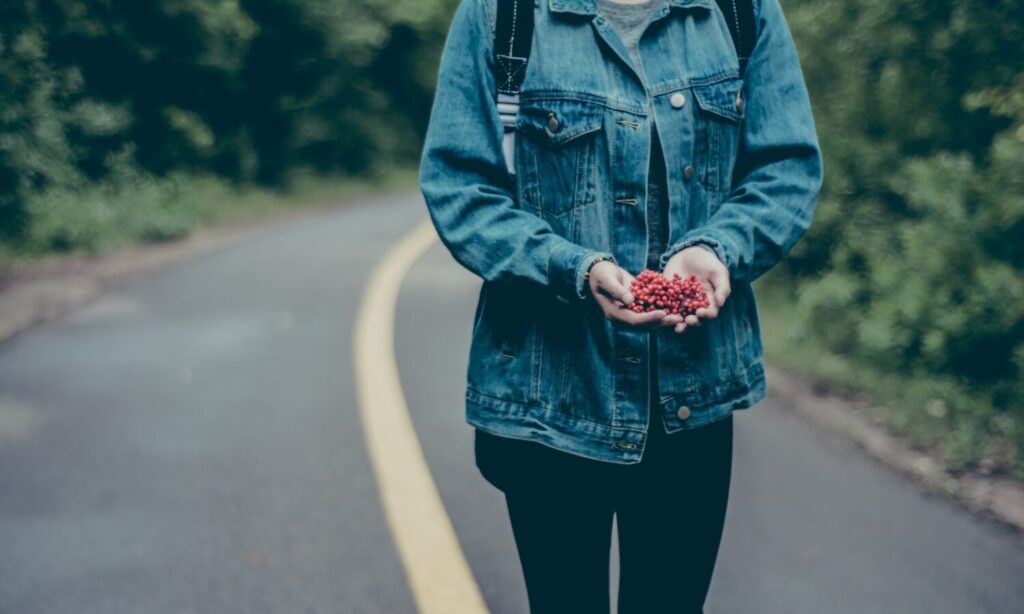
x: 999, y: 498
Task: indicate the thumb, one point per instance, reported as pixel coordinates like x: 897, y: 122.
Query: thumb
x: 719, y: 279
x: 616, y: 286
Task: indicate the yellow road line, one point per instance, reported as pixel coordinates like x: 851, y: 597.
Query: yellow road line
x: 438, y: 575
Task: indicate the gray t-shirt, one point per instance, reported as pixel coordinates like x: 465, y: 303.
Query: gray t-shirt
x: 629, y: 21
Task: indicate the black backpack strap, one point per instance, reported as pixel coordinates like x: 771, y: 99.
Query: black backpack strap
x: 742, y: 25
x: 513, y: 35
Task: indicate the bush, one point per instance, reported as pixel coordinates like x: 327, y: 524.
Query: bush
x: 248, y: 90
x: 914, y: 267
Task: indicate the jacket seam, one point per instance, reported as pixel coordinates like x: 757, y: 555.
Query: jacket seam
x: 546, y: 408
x: 754, y: 368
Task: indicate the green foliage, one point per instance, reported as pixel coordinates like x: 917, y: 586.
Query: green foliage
x: 248, y: 90
x: 910, y: 282
x: 914, y: 267
x: 34, y: 150
x: 132, y: 207
x: 107, y: 214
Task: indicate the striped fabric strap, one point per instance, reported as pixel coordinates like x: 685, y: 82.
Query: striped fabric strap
x: 512, y: 38
x: 508, y: 108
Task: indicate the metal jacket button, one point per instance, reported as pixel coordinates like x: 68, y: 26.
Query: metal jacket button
x: 552, y: 122
x: 688, y: 172
x: 683, y: 412
x: 677, y: 100
x: 740, y: 103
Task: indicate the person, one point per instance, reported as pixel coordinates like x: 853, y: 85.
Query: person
x: 639, y: 145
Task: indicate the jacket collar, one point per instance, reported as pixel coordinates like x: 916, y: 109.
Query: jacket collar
x: 588, y: 7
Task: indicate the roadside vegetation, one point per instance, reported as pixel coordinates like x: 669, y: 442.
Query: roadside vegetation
x: 125, y: 121
x: 910, y: 285
x: 130, y: 121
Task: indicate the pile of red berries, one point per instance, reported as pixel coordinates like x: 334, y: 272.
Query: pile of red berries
x: 652, y: 290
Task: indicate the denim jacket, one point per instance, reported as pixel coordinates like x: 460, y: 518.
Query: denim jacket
x: 744, y: 171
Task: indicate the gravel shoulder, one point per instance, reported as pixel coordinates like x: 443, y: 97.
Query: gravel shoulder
x: 999, y: 498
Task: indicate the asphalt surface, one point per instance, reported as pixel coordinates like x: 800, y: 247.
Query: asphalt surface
x: 190, y: 442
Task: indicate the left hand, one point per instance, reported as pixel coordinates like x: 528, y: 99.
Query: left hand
x: 713, y: 275
x: 609, y: 285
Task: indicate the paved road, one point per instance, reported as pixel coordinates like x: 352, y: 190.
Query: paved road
x: 190, y: 443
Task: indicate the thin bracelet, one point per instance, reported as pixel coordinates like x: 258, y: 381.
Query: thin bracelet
x: 586, y: 276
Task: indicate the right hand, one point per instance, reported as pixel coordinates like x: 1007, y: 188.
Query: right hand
x: 609, y: 284
x: 713, y: 275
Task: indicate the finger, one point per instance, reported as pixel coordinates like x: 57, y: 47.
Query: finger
x: 608, y: 305
x: 616, y: 313
x: 709, y: 312
x: 634, y: 324
x: 671, y: 319
x: 692, y: 320
x: 680, y: 327
x: 616, y: 289
x: 651, y: 317
x: 644, y: 318
x: 620, y: 297
x: 627, y: 282
x: 719, y: 279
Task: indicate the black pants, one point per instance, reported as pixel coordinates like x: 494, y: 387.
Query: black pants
x: 669, y: 509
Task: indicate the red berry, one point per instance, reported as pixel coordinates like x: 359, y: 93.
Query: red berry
x: 652, y: 290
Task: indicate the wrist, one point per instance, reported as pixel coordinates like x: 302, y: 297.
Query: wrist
x: 584, y: 271
x: 705, y: 240
x: 586, y: 274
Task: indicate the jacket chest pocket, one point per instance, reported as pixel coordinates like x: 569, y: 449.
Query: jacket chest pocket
x: 556, y: 162
x: 719, y: 117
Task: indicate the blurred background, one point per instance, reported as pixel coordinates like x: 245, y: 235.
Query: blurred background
x: 125, y: 123
x: 138, y: 121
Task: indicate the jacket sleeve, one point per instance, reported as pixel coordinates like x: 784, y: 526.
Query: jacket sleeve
x: 468, y: 190
x: 778, y: 170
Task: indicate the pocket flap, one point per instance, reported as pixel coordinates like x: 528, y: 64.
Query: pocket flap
x: 721, y: 98
x: 556, y: 122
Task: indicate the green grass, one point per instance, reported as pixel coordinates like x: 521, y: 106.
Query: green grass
x: 140, y: 209
x: 932, y: 413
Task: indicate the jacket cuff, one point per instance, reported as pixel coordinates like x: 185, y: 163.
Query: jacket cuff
x: 571, y: 285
